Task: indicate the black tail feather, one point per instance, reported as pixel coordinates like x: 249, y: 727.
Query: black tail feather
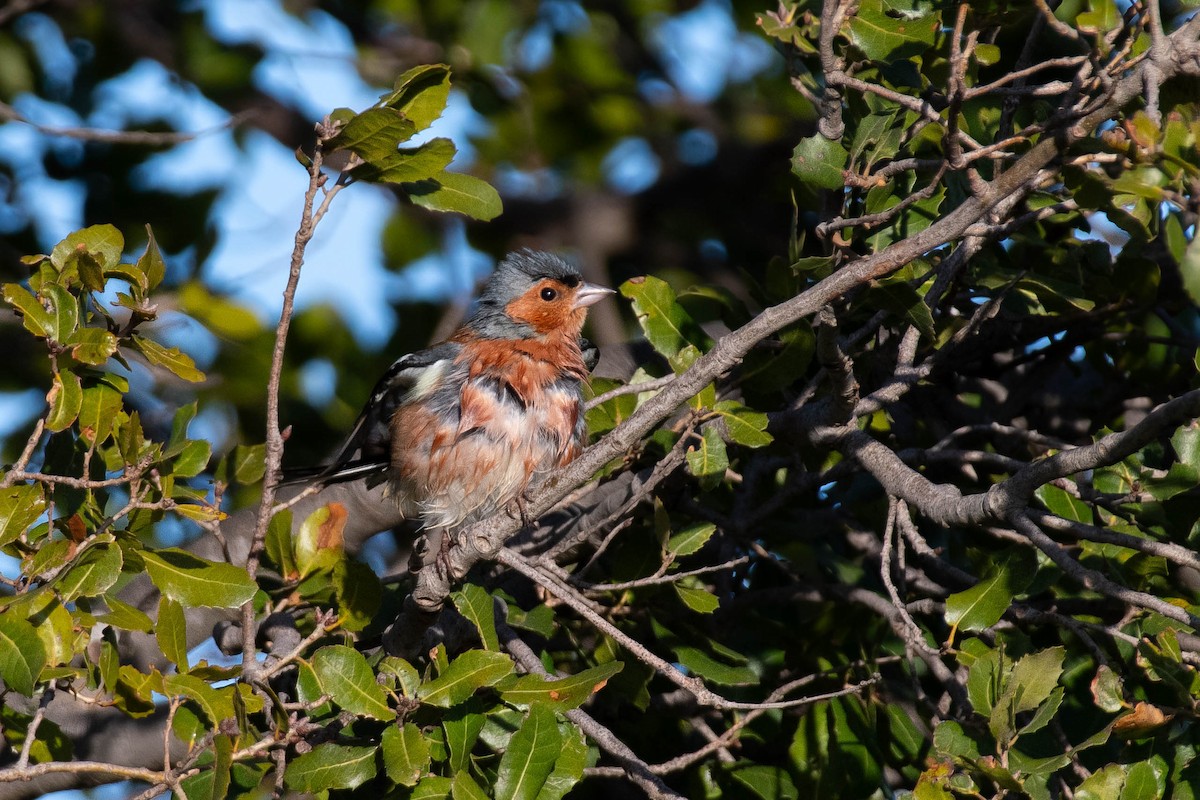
x: 332, y: 473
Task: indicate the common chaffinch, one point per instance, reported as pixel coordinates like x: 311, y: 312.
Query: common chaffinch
x: 462, y: 429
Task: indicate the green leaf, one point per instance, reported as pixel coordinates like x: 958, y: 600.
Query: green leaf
x: 317, y: 545
x: 465, y: 788
x: 405, y: 754
x: 987, y: 54
x: 215, y: 704
x: 359, y: 594
x: 982, y: 605
x: 212, y: 783
x: 103, y: 242
x: 410, y: 166
x: 1104, y: 784
x: 92, y: 572
x: 279, y: 545
x: 1186, y: 443
x: 1027, y: 765
x: 124, y: 616
x: 151, y: 263
x: 904, y: 301
x: 690, y: 539
x: 569, y: 692
x: 610, y: 414
x: 568, y: 768
x: 246, y: 464
x: 708, y: 459
x: 745, y: 426
x: 765, y: 782
x: 22, y: 654
x: 54, y: 625
x: 195, y: 581
x: 472, y: 670
x: 461, y: 726
x: 949, y: 740
x: 36, y: 318
x: 64, y: 312
x: 1034, y: 677
x: 530, y: 756
x: 193, y: 458
x: 1145, y: 780
x: 97, y: 409
x: 1189, y: 268
x: 474, y: 603
x: 1045, y: 712
x: 374, y: 134
x: 710, y: 669
x: 1107, y: 690
x: 92, y: 345
x: 433, y: 787
x: 668, y: 327
x: 1103, y: 17
x: 171, y: 359
x: 20, y: 506
x: 171, y: 632
x: 699, y: 600
x: 348, y: 679
x: 884, y: 38
x: 680, y: 363
x: 66, y: 399
x: 420, y: 94
x: 1029, y: 683
x: 454, y: 191
x: 1063, y: 504
x: 820, y: 162
x: 50, y: 743
x: 331, y: 766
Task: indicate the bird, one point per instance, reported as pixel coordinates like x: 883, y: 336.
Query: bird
x: 462, y: 430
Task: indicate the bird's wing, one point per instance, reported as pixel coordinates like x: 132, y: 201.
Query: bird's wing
x: 367, y: 448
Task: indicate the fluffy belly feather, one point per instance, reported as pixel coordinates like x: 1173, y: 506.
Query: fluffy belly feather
x: 451, y: 472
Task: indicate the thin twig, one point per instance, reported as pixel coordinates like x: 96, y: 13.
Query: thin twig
x: 630, y: 388
x: 135, y: 138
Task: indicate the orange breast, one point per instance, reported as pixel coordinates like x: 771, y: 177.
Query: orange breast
x: 515, y: 417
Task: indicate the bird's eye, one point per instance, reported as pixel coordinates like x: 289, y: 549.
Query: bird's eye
x: 549, y: 294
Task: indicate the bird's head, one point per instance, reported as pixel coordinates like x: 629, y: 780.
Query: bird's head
x: 534, y: 294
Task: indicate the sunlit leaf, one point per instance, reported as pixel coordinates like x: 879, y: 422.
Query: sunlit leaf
x: 20, y: 506
x: 195, y: 581
x: 568, y: 692
x: 331, y: 766
x: 472, y: 670
x: 477, y: 605
x: 405, y: 754
x: 667, y: 326
x: 22, y: 655
x: 530, y: 756
x: 346, y: 677
x: 172, y: 359
x: 455, y: 191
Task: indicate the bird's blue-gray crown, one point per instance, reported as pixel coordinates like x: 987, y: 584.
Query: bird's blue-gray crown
x: 515, y: 274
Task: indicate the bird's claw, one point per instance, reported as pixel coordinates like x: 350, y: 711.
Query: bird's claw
x: 520, y: 503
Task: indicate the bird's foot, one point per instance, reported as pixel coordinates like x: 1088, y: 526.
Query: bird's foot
x: 520, y: 505
x: 443, y: 556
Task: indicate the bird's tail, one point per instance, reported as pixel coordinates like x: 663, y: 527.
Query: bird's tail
x: 333, y: 473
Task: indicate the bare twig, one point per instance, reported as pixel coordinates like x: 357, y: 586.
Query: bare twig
x: 309, y: 219
x: 135, y: 138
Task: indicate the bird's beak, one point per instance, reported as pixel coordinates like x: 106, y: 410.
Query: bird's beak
x: 589, y: 293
